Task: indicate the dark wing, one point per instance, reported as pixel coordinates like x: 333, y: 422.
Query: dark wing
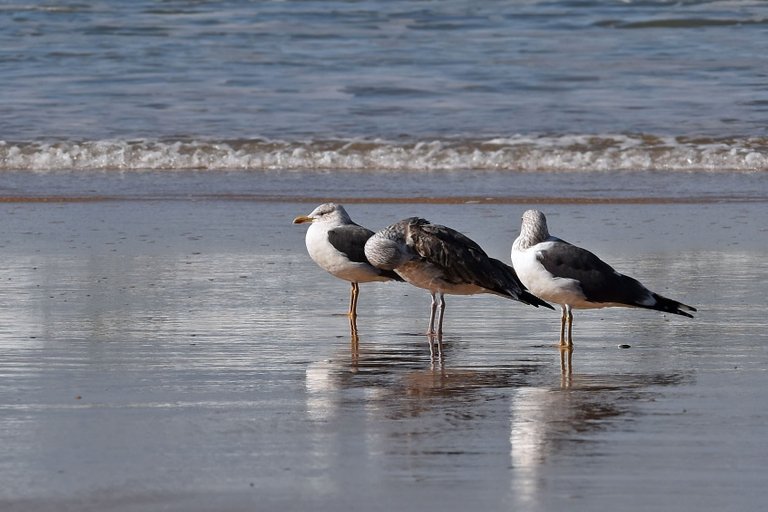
x: 450, y: 237
x: 350, y: 240
x: 461, y: 259
x: 598, y: 280
x: 464, y: 261
x: 504, y: 280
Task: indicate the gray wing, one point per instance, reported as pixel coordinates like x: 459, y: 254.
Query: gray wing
x: 350, y: 240
x: 598, y: 280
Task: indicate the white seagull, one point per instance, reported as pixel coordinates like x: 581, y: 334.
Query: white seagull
x: 442, y: 260
x: 337, y: 244
x: 575, y: 278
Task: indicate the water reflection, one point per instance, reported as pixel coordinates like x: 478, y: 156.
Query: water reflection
x: 558, y: 422
x: 566, y: 361
x: 423, y: 418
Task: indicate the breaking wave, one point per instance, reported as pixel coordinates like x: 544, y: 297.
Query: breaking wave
x: 518, y: 153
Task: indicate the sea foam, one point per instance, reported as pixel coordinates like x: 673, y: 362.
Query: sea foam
x: 519, y: 153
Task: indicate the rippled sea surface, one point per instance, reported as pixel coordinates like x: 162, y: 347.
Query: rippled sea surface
x: 531, y: 85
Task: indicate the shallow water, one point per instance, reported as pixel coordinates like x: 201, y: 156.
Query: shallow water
x: 188, y: 355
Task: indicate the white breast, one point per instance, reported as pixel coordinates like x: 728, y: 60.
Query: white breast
x: 327, y: 257
x: 542, y: 283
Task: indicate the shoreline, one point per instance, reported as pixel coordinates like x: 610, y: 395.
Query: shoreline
x: 445, y: 200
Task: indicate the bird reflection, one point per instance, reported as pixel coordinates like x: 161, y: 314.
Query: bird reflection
x: 566, y: 362
x: 435, y: 342
x: 320, y: 389
x: 409, y: 415
x: 404, y: 380
x: 442, y: 381
x: 547, y: 421
x: 354, y: 339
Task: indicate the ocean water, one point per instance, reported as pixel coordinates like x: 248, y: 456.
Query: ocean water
x: 371, y: 85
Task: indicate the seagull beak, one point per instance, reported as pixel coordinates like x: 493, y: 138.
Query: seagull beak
x: 301, y: 219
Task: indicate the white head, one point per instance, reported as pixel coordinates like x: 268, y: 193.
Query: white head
x: 330, y: 213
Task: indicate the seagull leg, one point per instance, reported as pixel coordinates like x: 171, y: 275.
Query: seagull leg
x: 566, y: 349
x: 431, y: 329
x: 442, y: 314
x: 353, y: 301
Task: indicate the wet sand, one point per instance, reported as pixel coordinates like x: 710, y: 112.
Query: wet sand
x: 183, y: 355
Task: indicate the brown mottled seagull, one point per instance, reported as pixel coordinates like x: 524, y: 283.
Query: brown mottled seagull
x: 442, y: 260
x: 575, y: 278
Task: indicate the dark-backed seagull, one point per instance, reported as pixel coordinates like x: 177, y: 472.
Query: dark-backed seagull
x: 575, y: 278
x: 442, y: 260
x: 337, y: 244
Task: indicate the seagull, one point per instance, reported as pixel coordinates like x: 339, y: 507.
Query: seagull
x: 336, y: 244
x: 442, y: 260
x: 575, y: 278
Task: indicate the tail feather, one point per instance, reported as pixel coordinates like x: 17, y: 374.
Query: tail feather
x: 671, y: 306
x: 529, y: 298
x: 509, y: 285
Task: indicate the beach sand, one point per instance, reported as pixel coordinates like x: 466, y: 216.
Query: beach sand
x: 187, y: 355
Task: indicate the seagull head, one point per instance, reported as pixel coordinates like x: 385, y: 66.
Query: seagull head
x: 534, y: 226
x: 388, y: 248
x: 330, y: 213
